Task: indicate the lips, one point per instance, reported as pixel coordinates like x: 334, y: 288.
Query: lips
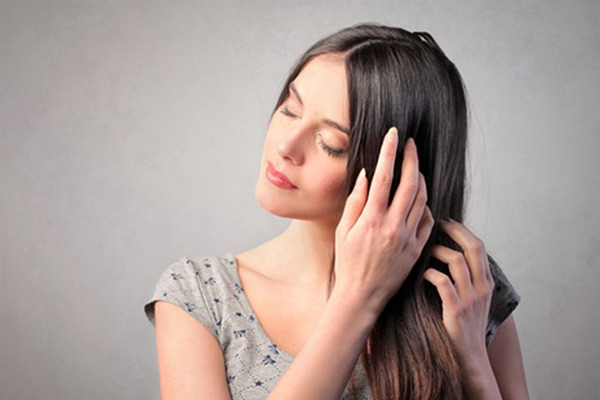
x: 277, y: 177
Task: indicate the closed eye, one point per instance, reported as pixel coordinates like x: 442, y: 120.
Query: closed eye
x: 329, y: 150
x: 285, y: 111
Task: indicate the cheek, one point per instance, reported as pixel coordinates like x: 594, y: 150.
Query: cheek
x: 328, y: 186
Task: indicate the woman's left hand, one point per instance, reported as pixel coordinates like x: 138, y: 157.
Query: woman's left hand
x: 466, y: 303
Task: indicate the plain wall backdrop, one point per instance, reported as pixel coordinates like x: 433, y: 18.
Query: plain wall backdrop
x: 131, y: 135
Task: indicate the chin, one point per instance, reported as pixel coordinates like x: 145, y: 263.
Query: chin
x: 272, y: 201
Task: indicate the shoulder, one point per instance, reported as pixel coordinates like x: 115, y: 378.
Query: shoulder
x: 503, y: 290
x: 205, y: 275
x: 194, y: 284
x: 213, y: 271
x: 199, y: 269
x: 505, y: 299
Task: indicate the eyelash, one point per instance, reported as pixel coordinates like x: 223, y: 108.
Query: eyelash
x: 331, y: 152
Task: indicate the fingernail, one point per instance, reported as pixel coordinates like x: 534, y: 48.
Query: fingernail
x: 392, y: 134
x: 361, y: 175
x: 360, y: 179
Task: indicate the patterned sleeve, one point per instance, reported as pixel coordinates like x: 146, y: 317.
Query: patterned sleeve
x: 504, y: 300
x: 179, y: 285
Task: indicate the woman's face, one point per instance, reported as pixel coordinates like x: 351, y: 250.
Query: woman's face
x: 306, y: 142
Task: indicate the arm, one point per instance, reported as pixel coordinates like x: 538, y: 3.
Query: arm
x: 192, y: 366
x: 190, y: 359
x: 325, y: 364
x: 501, y: 375
x: 466, y: 305
x: 507, y: 363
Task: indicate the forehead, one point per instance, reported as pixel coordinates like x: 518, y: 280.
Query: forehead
x: 322, y: 86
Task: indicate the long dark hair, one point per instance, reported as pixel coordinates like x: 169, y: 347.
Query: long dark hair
x: 403, y: 79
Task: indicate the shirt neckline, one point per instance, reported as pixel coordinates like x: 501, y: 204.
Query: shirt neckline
x: 233, y: 262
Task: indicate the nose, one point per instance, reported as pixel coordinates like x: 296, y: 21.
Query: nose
x: 291, y: 144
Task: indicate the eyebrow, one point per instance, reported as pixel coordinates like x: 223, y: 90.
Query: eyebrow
x: 326, y: 121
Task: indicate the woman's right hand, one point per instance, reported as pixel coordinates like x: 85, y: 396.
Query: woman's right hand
x: 376, y: 246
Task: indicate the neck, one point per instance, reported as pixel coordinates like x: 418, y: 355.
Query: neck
x: 306, y: 249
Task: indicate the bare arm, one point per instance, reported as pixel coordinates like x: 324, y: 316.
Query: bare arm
x: 191, y: 361
x: 507, y: 363
x: 325, y: 364
x: 501, y: 374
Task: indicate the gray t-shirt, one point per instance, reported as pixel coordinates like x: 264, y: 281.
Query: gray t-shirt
x: 210, y: 290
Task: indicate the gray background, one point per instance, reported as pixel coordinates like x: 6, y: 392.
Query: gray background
x: 131, y: 135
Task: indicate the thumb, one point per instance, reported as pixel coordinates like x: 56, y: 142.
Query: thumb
x: 354, y: 204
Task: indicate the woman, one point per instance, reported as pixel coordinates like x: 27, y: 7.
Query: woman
x: 375, y: 290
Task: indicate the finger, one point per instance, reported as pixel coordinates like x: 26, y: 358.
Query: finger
x: 354, y: 205
x: 444, y: 286
x: 418, y: 206
x: 409, y: 182
x: 381, y: 182
x: 474, y: 250
x: 425, y: 227
x: 458, y: 268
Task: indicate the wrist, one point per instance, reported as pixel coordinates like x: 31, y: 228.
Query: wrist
x: 479, y: 380
x: 355, y: 302
x: 476, y: 365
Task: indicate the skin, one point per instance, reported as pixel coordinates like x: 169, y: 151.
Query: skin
x: 191, y: 360
x: 465, y: 306
x: 292, y: 146
x: 375, y: 246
